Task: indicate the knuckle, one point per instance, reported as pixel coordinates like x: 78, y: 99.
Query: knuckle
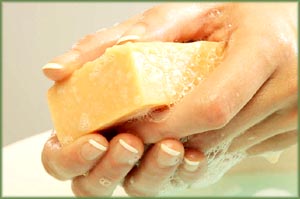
x: 215, y: 112
x: 279, y: 45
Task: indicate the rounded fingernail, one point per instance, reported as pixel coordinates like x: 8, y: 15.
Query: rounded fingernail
x: 130, y: 158
x: 169, y: 150
x: 52, y: 66
x: 168, y: 156
x: 133, y: 34
x: 128, y: 38
x: 128, y: 146
x: 190, y: 165
x: 92, y: 150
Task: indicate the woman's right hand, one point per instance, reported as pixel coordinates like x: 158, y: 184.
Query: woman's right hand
x: 97, y: 166
x: 94, y: 165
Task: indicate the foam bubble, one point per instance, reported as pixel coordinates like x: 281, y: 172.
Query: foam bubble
x: 219, y: 162
x: 84, y: 122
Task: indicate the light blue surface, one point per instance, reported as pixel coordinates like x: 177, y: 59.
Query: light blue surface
x: 260, y: 184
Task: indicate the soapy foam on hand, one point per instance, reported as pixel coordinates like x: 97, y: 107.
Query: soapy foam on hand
x: 219, y: 162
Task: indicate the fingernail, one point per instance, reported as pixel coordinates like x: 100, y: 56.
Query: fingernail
x: 52, y: 66
x: 128, y: 147
x: 128, y: 38
x: 169, y: 150
x: 129, y: 158
x: 168, y: 156
x: 92, y: 150
x: 190, y: 165
x: 133, y: 34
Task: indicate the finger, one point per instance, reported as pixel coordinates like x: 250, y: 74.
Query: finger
x: 273, y: 144
x: 277, y: 123
x: 124, y: 151
x: 165, y: 22
x: 193, y: 166
x: 74, y: 159
x: 217, y: 99
x: 155, y: 169
x: 264, y: 103
x: 87, y: 49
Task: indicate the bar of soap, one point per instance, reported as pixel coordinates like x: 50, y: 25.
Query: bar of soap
x: 127, y: 81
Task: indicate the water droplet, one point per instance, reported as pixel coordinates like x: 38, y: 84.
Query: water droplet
x: 272, y: 157
x: 131, y: 180
x: 105, y: 182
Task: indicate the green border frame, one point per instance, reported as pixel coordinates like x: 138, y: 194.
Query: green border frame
x: 1, y: 63
x: 86, y: 1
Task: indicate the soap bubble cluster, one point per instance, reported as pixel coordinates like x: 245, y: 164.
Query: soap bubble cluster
x: 219, y: 161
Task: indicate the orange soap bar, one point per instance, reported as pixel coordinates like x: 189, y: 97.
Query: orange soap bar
x: 126, y: 81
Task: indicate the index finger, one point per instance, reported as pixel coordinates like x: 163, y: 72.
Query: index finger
x: 87, y: 49
x: 164, y: 20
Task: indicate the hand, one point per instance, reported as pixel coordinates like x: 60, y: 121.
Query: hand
x: 248, y: 105
x: 96, y: 167
x: 254, y: 86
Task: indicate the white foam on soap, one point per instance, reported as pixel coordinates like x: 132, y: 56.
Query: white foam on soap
x: 84, y: 122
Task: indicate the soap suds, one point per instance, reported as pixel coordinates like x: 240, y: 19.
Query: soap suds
x: 219, y: 162
x: 84, y: 122
x: 68, y: 139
